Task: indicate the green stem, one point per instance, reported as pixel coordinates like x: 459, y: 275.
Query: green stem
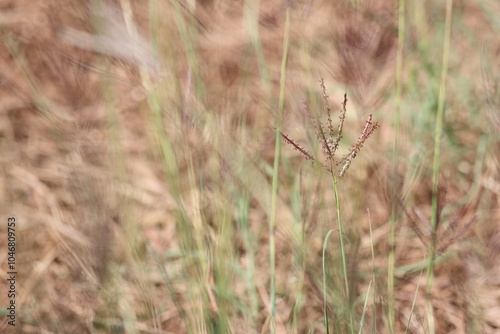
x: 274, y: 194
x: 325, y: 313
x: 342, y: 252
x: 395, y: 153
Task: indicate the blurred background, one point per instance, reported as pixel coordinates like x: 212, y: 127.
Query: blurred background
x: 138, y: 141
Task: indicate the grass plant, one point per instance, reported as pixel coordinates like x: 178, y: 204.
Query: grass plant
x: 436, y: 166
x: 141, y: 154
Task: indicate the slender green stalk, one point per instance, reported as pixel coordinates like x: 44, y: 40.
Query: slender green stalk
x: 395, y: 159
x: 361, y: 322
x: 325, y: 313
x: 252, y: 21
x: 274, y: 191
x: 344, y: 261
x: 435, y: 167
x: 342, y: 252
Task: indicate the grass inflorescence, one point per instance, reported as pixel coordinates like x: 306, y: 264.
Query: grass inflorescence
x: 329, y: 140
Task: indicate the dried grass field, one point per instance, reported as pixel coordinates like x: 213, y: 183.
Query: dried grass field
x: 191, y: 166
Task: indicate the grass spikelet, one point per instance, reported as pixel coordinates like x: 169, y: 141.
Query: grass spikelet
x: 302, y: 150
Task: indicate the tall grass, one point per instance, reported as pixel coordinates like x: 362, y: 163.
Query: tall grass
x: 201, y: 222
x: 436, y: 166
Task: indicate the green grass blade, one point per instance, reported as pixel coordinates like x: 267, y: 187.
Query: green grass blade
x: 274, y: 194
x: 395, y: 158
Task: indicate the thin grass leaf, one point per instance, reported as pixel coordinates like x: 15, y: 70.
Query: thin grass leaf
x: 302, y: 150
x: 325, y: 307
x: 341, y: 124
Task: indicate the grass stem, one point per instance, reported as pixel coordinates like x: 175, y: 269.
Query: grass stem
x: 395, y: 159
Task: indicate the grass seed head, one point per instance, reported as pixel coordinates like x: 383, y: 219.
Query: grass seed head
x: 330, y: 140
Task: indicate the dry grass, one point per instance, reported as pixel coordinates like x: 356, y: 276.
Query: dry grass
x: 137, y: 147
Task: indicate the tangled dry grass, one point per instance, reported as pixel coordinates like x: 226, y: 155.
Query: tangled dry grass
x: 136, y: 155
